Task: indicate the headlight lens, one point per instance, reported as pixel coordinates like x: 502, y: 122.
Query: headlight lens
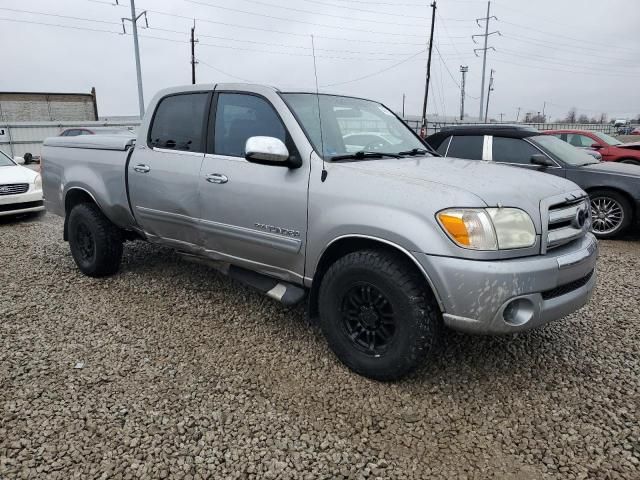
x: 513, y: 227
x: 488, y: 229
x: 469, y: 228
x: 37, y: 183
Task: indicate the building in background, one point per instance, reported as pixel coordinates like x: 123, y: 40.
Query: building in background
x: 48, y: 107
x: 27, y: 118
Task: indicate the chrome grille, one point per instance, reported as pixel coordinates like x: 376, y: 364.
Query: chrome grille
x: 13, y: 188
x: 568, y: 221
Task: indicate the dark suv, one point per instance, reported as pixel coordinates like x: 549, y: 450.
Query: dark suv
x: 614, y: 188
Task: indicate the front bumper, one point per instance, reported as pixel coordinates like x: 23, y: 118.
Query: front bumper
x: 30, y: 201
x: 505, y: 296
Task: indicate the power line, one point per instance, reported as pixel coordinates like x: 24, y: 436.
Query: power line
x: 582, y: 41
x: 68, y: 17
x: 539, y: 67
x: 567, y: 48
x: 223, y: 72
x: 376, y: 72
x: 324, y: 25
x: 300, y: 10
x: 227, y: 24
x: 284, y: 45
x: 586, y: 65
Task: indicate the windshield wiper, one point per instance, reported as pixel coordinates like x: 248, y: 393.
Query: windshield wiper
x: 362, y: 155
x: 415, y: 151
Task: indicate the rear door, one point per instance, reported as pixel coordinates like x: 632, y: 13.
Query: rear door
x: 163, y: 173
x: 252, y: 215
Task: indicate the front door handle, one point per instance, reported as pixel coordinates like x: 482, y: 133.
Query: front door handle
x: 142, y: 168
x: 217, y: 178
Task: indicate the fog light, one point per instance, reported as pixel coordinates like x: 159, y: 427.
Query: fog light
x: 518, y: 312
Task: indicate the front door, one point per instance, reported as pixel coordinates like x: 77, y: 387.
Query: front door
x: 252, y: 215
x: 518, y: 152
x: 163, y: 171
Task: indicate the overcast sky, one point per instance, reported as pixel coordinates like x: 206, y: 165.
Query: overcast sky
x: 569, y: 53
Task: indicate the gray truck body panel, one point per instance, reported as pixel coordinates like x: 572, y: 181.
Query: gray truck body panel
x: 279, y: 221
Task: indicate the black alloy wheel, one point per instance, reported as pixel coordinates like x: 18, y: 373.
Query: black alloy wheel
x: 368, y: 319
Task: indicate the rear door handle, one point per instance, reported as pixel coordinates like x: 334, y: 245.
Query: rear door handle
x: 217, y: 178
x: 142, y: 168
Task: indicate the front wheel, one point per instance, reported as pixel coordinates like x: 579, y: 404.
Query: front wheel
x: 95, y: 242
x: 611, y: 213
x: 378, y: 315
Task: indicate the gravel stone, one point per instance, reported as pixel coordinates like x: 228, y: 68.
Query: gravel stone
x: 190, y: 375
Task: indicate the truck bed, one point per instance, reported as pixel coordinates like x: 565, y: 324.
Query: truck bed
x: 95, y: 164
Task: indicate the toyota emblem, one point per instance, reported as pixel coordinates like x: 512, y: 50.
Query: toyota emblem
x: 581, y: 217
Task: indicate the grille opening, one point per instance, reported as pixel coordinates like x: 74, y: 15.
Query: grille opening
x: 13, y: 188
x: 567, y: 287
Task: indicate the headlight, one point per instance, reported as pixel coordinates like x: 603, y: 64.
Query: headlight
x: 37, y: 183
x: 488, y: 229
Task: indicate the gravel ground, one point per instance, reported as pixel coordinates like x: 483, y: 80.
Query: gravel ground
x: 185, y: 374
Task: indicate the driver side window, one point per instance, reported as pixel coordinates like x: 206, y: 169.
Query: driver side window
x: 240, y: 116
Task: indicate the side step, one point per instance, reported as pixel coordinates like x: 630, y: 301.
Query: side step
x: 284, y: 292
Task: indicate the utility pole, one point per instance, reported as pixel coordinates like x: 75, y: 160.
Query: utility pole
x: 486, y: 35
x: 501, y: 115
x: 463, y: 69
x: 544, y: 107
x: 489, y: 90
x: 134, y: 24
x: 426, y: 87
x: 518, y: 115
x: 403, y: 97
x: 193, y: 53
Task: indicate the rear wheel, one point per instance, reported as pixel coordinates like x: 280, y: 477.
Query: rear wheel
x: 611, y: 213
x: 95, y: 242
x: 378, y: 315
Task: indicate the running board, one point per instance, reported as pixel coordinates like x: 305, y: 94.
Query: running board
x: 284, y: 292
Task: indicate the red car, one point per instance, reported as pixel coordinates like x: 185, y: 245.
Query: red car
x: 612, y: 150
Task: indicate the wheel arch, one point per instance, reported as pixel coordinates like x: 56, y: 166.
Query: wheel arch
x: 75, y: 196
x: 346, y: 244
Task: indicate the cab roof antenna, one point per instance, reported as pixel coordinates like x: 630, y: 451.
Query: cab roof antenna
x: 323, y: 175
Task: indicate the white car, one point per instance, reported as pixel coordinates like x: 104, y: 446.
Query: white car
x: 20, y: 187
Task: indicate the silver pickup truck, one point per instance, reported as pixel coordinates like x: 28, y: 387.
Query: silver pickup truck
x: 335, y: 199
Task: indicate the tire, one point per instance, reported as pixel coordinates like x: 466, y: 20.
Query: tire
x: 611, y: 213
x: 95, y: 242
x: 630, y: 161
x: 407, y: 309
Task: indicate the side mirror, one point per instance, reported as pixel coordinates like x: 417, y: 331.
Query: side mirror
x: 542, y: 160
x: 19, y: 160
x: 266, y: 150
x: 596, y: 146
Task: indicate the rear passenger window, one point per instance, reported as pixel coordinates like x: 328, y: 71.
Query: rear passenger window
x: 178, y: 122
x: 240, y: 116
x: 469, y: 146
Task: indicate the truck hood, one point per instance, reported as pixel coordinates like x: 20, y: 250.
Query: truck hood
x: 494, y: 184
x: 17, y: 174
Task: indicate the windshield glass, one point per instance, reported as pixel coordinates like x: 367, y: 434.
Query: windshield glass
x: 562, y: 150
x: 608, y: 139
x: 351, y: 125
x: 5, y: 161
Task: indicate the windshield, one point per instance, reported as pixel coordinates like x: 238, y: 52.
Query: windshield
x: 608, y: 139
x: 5, y: 160
x: 562, y: 150
x: 351, y: 125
